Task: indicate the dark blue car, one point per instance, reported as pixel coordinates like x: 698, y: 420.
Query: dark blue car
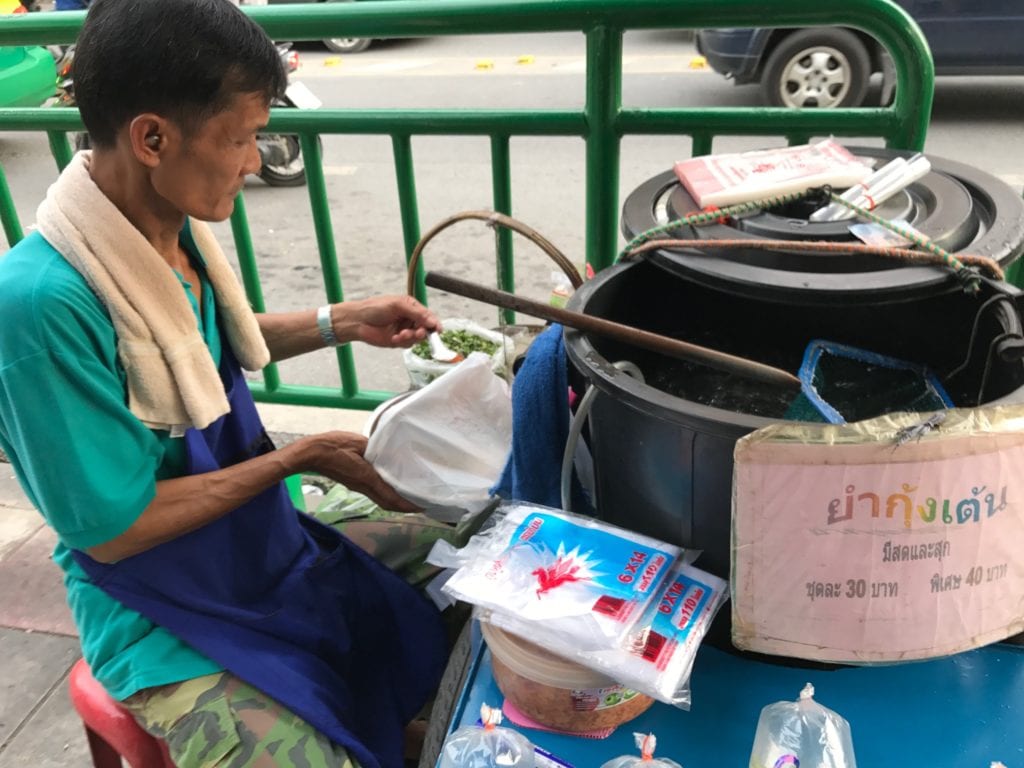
x: 831, y: 66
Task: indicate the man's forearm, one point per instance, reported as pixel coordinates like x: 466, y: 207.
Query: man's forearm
x: 288, y: 334
x: 183, y: 504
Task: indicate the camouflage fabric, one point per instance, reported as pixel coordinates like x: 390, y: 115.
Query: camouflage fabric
x: 399, y: 540
x: 218, y: 721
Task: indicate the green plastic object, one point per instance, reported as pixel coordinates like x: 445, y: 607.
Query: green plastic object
x: 294, y: 485
x: 28, y: 76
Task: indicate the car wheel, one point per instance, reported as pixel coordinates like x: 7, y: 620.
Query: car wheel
x: 824, y: 68
x: 347, y: 44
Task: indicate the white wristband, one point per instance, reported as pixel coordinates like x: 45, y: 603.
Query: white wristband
x: 325, y: 326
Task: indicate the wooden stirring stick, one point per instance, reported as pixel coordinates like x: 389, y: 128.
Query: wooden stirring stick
x: 636, y: 337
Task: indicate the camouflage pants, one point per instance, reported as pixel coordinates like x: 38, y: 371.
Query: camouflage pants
x: 218, y: 721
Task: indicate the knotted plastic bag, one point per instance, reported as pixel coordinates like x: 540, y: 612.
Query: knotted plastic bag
x: 645, y: 742
x: 445, y: 445
x: 802, y: 732
x: 487, y: 745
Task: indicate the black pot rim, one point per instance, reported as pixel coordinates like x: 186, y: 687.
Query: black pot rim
x: 600, y: 372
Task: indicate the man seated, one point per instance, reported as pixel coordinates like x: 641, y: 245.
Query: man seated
x: 242, y: 632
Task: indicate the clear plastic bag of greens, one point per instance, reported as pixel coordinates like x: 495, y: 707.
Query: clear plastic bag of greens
x: 802, y: 732
x: 645, y: 742
x: 487, y: 745
x: 340, y: 504
x: 461, y: 336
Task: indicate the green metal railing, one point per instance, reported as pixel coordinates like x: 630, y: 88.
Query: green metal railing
x: 602, y: 122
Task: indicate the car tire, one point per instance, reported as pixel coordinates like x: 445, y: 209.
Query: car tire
x: 823, y: 67
x: 348, y: 44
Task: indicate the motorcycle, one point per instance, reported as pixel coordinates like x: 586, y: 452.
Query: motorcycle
x: 281, y: 163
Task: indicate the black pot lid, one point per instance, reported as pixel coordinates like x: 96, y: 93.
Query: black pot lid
x: 962, y: 209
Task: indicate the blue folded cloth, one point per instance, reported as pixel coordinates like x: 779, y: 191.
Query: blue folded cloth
x: 540, y: 427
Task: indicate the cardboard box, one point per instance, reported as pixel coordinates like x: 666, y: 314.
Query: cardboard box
x: 849, y: 547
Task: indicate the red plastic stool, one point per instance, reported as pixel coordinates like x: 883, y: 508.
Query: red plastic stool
x: 111, y: 730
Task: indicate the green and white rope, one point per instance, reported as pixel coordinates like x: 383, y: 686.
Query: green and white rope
x: 968, y: 278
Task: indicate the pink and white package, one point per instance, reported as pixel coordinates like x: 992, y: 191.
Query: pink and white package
x: 720, y: 180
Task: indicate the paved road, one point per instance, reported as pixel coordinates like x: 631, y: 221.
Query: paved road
x: 974, y: 121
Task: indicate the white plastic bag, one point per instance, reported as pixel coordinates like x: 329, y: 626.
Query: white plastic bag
x: 487, y: 745
x: 443, y: 447
x: 645, y: 742
x: 424, y: 370
x: 802, y: 732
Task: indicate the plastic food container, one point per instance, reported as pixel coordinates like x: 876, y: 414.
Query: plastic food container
x: 558, y: 693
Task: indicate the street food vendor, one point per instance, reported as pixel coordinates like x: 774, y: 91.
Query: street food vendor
x: 238, y: 630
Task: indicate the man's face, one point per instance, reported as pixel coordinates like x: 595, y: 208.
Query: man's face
x: 200, y: 174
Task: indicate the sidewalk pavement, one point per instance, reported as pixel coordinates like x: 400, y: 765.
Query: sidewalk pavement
x: 39, y: 642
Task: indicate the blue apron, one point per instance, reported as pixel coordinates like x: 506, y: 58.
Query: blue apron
x: 287, y: 604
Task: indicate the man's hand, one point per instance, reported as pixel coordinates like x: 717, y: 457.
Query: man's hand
x: 384, y: 321
x: 339, y: 456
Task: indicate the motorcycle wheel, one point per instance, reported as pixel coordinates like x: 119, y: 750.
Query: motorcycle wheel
x: 290, y: 174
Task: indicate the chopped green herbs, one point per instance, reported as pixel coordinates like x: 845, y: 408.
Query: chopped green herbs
x: 462, y: 342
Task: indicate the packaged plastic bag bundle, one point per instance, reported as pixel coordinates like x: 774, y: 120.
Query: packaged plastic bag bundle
x: 586, y: 581
x: 645, y: 742
x: 656, y: 657
x: 487, y: 745
x: 444, y: 446
x: 802, y: 732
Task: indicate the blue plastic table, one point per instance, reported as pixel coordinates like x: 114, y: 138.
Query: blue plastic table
x: 964, y: 711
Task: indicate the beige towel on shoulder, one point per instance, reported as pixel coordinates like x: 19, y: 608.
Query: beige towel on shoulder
x: 173, y: 383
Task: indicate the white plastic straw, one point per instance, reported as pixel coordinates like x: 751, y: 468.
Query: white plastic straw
x: 835, y: 211
x: 874, y: 196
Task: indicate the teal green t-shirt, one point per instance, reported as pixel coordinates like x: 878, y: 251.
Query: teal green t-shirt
x: 84, y: 460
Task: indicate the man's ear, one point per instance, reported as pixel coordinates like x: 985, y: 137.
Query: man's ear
x: 147, y: 135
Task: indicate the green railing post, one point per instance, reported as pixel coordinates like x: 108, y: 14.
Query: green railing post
x: 408, y: 205
x: 8, y: 213
x: 251, y: 276
x: 317, y: 186
x: 60, y: 148
x: 604, y: 100
x: 501, y: 184
x: 701, y: 144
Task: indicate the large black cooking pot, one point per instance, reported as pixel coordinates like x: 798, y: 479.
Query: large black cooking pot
x: 663, y: 447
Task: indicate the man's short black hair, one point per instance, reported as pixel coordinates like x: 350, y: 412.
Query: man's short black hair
x: 182, y: 59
